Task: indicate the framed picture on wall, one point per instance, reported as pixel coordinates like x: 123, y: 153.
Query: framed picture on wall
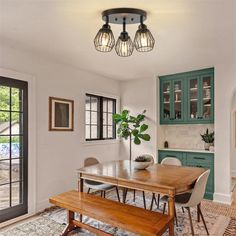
x: 61, y: 114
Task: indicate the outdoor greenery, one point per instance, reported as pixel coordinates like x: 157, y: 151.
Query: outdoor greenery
x: 208, y: 137
x: 5, y: 103
x: 6, y: 140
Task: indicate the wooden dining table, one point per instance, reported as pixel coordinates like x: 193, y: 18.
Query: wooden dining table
x: 164, y: 179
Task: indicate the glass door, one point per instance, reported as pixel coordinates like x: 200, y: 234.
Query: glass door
x: 13, y: 148
x: 207, y: 97
x: 193, y: 99
x: 177, y: 100
x: 165, y: 101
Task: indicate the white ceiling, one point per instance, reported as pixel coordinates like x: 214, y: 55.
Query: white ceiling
x: 189, y: 34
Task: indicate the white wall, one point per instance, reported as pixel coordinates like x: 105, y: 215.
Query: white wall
x: 59, y: 154
x: 139, y: 95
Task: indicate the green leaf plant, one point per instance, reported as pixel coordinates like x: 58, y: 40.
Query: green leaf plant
x: 208, y: 137
x: 131, y: 127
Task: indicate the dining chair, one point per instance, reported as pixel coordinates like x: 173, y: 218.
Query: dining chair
x: 166, y: 161
x: 90, y: 184
x: 193, y: 199
x: 134, y: 191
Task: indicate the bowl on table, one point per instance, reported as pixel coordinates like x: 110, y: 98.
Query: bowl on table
x: 142, y: 162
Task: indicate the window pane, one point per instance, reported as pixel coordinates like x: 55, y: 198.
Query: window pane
x: 4, y: 98
x: 104, y: 131
x: 16, y: 147
x: 104, y: 104
x: 15, y: 169
x: 4, y: 123
x: 110, y: 119
x: 110, y: 106
x: 16, y: 102
x: 16, y: 123
x: 87, y: 132
x: 87, y: 103
x: 94, y: 133
x: 4, y: 196
x: 4, y: 147
x: 16, y: 193
x: 110, y: 132
x: 87, y: 117
x: 94, y: 118
x: 94, y: 103
x: 4, y: 172
x: 104, y: 118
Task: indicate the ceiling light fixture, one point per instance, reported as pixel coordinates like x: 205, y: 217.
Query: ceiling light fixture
x: 143, y: 41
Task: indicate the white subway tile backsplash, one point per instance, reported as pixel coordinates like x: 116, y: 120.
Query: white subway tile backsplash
x: 186, y: 136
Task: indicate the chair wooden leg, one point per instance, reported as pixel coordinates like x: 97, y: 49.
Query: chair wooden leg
x: 190, y: 219
x: 144, y: 200
x: 176, y: 219
x: 182, y: 209
x: 153, y: 195
x: 164, y: 208
x: 117, y: 193
x: 134, y: 198
x: 89, y: 190
x: 101, y: 193
x: 104, y: 194
x: 203, y: 220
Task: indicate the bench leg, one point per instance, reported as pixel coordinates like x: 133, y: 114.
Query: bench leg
x: 81, y: 189
x: 70, y: 226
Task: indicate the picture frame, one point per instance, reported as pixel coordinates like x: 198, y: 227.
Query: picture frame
x: 61, y: 114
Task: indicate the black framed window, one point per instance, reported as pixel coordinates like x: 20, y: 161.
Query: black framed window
x: 13, y: 148
x: 99, y: 124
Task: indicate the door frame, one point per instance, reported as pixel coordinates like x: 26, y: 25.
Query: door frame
x: 31, y: 141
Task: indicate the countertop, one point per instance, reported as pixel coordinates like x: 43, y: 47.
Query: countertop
x: 185, y: 150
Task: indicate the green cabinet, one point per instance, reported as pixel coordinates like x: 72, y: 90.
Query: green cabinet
x: 194, y: 159
x: 187, y: 98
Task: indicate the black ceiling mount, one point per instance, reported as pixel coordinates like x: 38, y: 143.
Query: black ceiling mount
x: 117, y: 15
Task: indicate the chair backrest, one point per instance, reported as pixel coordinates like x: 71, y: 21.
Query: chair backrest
x: 171, y: 161
x: 90, y: 161
x: 198, y: 190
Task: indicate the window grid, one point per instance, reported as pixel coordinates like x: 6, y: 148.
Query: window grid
x: 101, y: 115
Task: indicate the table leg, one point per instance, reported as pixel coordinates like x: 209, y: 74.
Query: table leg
x: 81, y: 189
x: 70, y: 226
x: 171, y: 212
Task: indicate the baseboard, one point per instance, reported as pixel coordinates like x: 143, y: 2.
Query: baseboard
x: 223, y: 198
x: 42, y: 205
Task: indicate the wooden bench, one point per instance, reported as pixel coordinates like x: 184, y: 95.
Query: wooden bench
x: 130, y: 218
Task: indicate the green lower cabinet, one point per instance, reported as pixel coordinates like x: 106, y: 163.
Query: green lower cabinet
x: 194, y: 159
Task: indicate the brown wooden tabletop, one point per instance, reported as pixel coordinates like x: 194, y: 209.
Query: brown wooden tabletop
x: 164, y: 179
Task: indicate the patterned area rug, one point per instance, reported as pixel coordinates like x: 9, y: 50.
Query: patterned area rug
x: 220, y: 219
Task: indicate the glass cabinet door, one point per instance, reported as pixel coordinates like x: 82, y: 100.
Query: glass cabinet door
x: 166, y: 98
x: 193, y: 99
x: 177, y: 100
x: 207, y: 97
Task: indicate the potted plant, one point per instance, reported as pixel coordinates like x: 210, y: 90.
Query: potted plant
x: 143, y: 161
x: 131, y: 127
x: 208, y: 138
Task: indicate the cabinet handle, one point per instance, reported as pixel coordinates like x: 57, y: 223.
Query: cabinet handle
x: 199, y: 158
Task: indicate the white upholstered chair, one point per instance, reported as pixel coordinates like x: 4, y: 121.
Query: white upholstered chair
x: 97, y: 185
x: 193, y: 199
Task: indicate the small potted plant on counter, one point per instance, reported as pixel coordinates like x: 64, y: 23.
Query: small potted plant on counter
x: 208, y: 138
x: 142, y: 162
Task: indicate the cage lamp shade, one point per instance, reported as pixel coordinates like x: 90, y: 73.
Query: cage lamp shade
x: 124, y: 45
x: 104, y: 40
x: 143, y: 40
